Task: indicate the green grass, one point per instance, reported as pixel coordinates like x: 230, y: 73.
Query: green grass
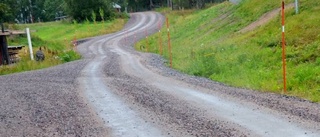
x: 57, y: 39
x: 208, y: 43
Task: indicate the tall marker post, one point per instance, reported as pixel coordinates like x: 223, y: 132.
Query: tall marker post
x: 283, y: 50
x: 169, y: 44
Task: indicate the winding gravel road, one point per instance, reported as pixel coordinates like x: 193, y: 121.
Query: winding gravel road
x: 117, y: 91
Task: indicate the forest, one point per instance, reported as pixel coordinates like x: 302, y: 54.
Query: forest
x: 30, y: 11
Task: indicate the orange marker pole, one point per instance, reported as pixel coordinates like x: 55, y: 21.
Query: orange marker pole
x: 169, y: 44
x: 160, y: 38
x: 74, y: 42
x: 283, y: 50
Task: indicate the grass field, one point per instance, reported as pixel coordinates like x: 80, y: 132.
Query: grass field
x: 57, y: 39
x: 208, y: 43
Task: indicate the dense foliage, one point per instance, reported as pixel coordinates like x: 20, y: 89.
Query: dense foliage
x: 81, y: 10
x: 30, y: 11
x: 140, y: 5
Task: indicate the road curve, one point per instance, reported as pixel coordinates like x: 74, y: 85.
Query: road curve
x: 136, y: 97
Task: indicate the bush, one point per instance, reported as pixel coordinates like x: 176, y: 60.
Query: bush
x: 69, y: 56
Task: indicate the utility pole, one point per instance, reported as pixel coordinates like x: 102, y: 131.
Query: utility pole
x: 297, y: 6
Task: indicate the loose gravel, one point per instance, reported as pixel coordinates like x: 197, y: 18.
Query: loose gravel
x: 49, y: 102
x: 289, y: 105
x: 163, y: 109
x: 46, y: 103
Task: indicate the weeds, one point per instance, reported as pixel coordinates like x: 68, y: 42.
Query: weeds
x: 207, y: 43
x: 56, y: 40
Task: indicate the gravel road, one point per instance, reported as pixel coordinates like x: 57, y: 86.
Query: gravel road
x: 117, y: 91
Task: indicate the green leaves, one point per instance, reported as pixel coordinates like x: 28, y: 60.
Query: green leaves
x: 80, y: 10
x: 5, y: 15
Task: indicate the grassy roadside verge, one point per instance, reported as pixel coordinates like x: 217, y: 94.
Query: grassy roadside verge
x: 208, y: 43
x: 57, y: 39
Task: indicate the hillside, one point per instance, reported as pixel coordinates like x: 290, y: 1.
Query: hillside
x: 209, y: 43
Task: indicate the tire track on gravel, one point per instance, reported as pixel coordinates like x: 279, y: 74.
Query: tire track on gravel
x: 120, y: 118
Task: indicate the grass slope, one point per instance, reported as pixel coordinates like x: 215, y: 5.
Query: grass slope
x: 208, y: 43
x: 57, y: 38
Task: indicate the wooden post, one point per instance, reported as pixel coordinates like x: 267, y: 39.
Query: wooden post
x: 4, y: 50
x: 4, y: 55
x: 29, y: 43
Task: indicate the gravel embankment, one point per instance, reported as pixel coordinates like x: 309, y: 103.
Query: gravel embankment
x: 46, y: 103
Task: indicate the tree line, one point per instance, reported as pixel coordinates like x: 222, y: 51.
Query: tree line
x: 140, y: 5
x: 29, y: 11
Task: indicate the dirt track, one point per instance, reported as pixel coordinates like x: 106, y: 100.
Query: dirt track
x: 135, y: 94
x: 150, y: 96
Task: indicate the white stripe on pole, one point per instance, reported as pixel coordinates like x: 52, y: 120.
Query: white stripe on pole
x: 282, y: 28
x: 30, y: 44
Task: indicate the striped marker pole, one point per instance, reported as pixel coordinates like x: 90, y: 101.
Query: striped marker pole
x: 283, y: 50
x: 169, y: 44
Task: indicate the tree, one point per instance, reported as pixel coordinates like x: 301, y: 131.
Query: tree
x: 151, y: 4
x: 81, y: 10
x: 7, y: 10
x: 53, y: 9
x: 4, y: 15
x: 200, y: 4
x: 142, y: 5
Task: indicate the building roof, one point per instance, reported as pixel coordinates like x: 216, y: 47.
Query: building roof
x: 116, y: 6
